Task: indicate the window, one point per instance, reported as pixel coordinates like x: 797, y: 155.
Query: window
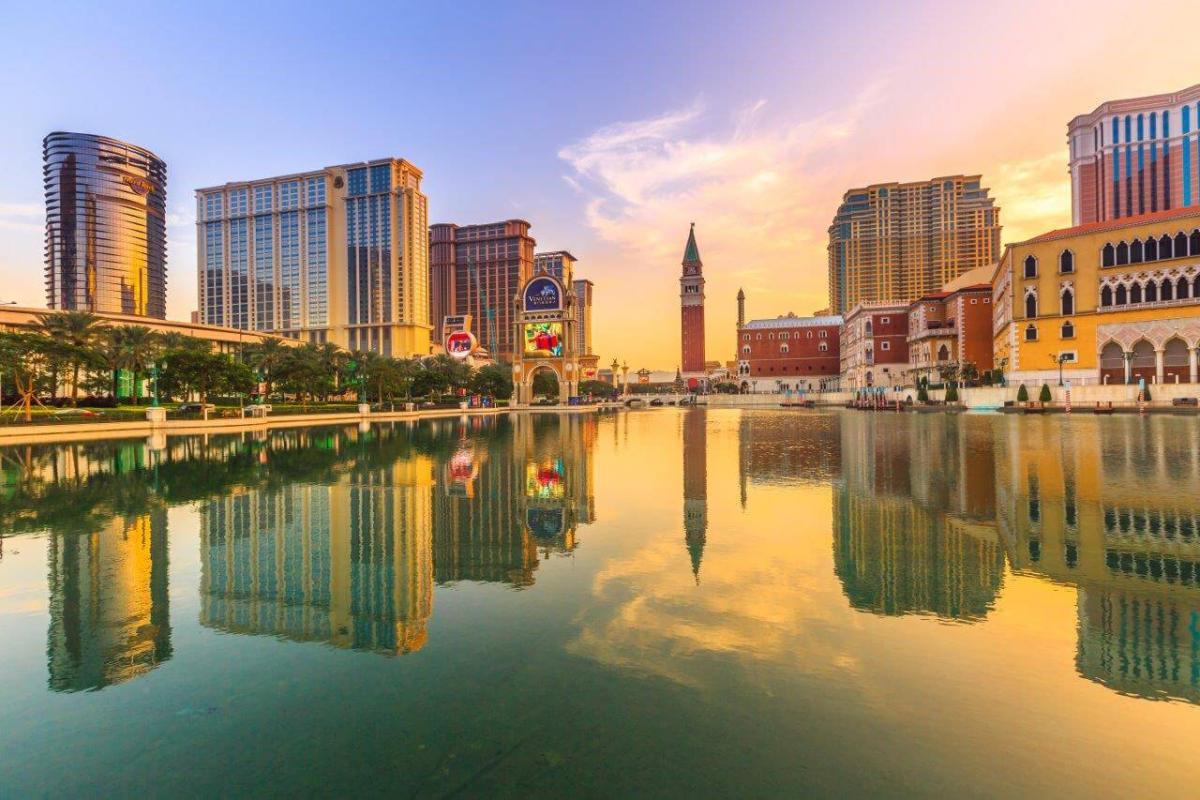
x: 1122, y: 295
x: 1151, y: 292
x: 1031, y: 333
x: 1068, y: 330
x: 1106, y: 296
x: 823, y: 346
x: 746, y: 349
x: 1066, y: 261
x: 885, y: 345
x: 1151, y: 249
x: 1135, y: 252
x: 884, y: 320
x: 1108, y: 256
x: 1195, y: 248
x: 783, y: 348
x: 823, y: 334
x: 1031, y: 305
x: 808, y: 335
x: 1135, y: 293
x: 1030, y: 267
x: 1167, y: 292
x: 1067, y: 303
x: 745, y: 337
x: 1122, y: 253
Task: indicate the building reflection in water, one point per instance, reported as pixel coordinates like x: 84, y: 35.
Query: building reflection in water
x: 1112, y: 507
x: 333, y: 535
x: 913, y: 523
x: 695, y: 486
x: 109, y: 604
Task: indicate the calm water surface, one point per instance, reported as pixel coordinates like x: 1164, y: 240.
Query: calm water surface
x: 662, y: 603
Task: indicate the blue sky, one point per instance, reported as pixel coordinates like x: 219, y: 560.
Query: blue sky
x: 609, y: 127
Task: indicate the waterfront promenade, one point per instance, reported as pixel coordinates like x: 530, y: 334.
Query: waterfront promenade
x: 122, y: 429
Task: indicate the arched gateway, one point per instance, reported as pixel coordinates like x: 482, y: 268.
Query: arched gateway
x: 545, y: 337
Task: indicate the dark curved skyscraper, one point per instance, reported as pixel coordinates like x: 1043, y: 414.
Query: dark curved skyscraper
x: 106, y: 230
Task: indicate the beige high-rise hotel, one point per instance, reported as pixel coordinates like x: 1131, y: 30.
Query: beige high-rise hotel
x: 893, y: 242
x: 340, y: 255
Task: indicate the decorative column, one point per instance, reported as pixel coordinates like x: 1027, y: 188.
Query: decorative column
x: 1193, y: 363
x: 1128, y: 356
x: 1158, y: 366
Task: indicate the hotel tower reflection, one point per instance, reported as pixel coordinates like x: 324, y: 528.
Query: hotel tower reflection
x: 913, y: 522
x: 1113, y: 508
x: 109, y: 604
x: 353, y: 562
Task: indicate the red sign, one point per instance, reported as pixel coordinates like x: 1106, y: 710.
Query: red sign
x: 460, y: 344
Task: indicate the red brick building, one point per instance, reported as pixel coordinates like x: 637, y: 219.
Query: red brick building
x: 691, y: 311
x: 787, y: 353
x: 952, y: 326
x: 875, y: 346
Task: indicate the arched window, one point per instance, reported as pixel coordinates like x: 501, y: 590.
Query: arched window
x: 1195, y: 248
x: 1066, y: 261
x: 745, y: 337
x: 1031, y: 305
x: 1135, y: 293
x: 1165, y: 249
x: 1151, y: 292
x: 1151, y: 249
x: 746, y: 349
x: 1135, y: 252
x: 1031, y: 333
x: 823, y: 346
x: 1030, y: 267
x: 1166, y: 291
x: 1068, y: 330
x: 1122, y: 295
x: 1181, y: 289
x: 868, y: 328
x: 943, y: 353
x: 1109, y: 255
x: 1196, y: 287
x: 1106, y: 296
x: 1122, y: 253
x: 1067, y: 303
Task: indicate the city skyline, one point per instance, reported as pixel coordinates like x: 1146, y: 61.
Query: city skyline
x: 756, y: 146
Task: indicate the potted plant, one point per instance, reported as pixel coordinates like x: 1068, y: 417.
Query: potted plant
x: 1022, y: 394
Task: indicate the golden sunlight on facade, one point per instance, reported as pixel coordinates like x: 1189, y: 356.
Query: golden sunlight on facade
x: 1115, y: 302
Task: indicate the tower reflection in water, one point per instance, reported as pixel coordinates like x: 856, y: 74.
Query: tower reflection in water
x: 1112, y: 507
x: 109, y: 606
x: 914, y: 516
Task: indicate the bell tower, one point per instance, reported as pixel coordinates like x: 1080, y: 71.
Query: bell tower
x: 691, y: 309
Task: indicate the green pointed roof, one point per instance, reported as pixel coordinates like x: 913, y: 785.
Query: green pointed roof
x: 695, y: 547
x: 691, y: 253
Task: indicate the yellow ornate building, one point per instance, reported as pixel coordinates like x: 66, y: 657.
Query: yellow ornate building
x: 1115, y: 301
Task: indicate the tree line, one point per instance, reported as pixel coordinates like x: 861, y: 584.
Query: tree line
x: 76, y: 358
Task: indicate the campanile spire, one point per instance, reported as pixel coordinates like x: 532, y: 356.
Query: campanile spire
x: 691, y: 308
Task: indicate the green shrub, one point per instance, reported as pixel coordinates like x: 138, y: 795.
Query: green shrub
x: 952, y: 394
x: 922, y: 394
x: 1146, y: 393
x: 1022, y: 394
x: 1044, y: 395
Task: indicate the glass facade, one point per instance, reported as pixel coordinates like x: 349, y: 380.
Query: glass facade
x: 105, y: 226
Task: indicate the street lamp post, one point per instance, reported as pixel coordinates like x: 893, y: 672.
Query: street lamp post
x: 152, y: 368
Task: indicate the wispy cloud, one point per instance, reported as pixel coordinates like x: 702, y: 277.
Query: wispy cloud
x: 1034, y: 196
x: 760, y: 190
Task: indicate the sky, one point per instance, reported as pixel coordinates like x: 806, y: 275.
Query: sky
x: 609, y: 127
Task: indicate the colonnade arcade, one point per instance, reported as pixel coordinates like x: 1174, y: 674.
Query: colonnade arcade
x: 1156, y: 352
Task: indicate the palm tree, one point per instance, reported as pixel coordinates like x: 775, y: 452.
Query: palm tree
x: 110, y: 350
x: 73, y: 333
x: 139, y: 347
x: 333, y: 361
x: 267, y: 357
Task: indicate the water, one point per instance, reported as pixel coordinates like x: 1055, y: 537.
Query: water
x: 662, y: 603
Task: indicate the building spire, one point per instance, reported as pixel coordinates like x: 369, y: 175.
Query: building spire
x: 691, y: 253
